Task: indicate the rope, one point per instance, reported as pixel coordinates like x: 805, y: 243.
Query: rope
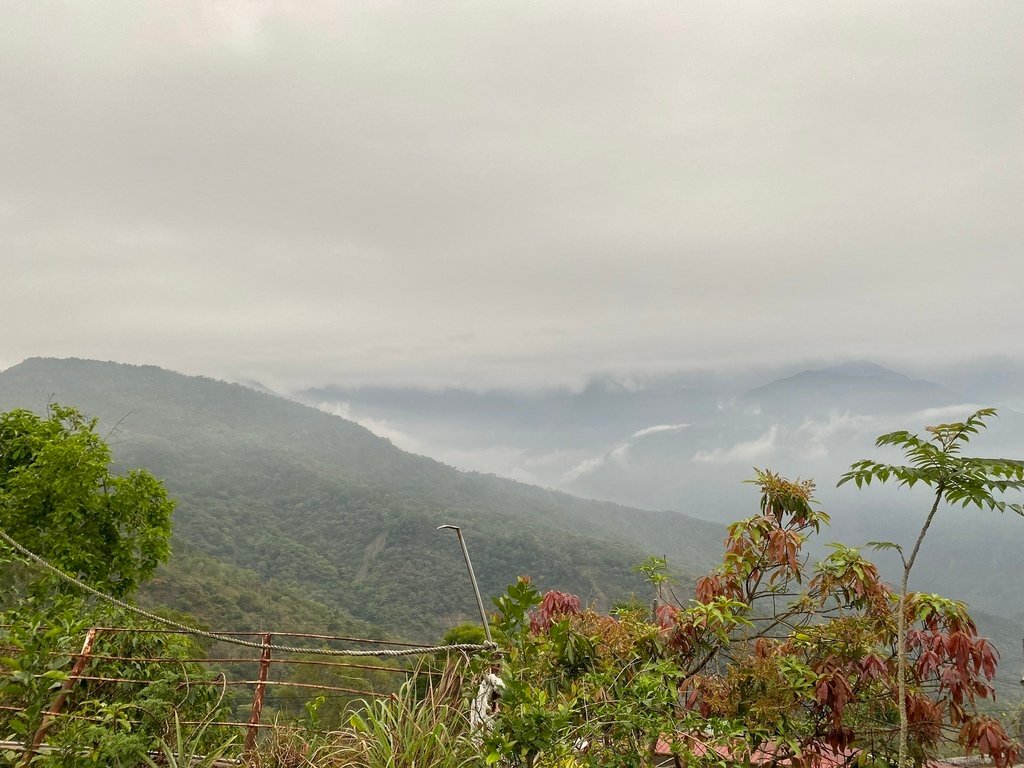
x: 383, y: 653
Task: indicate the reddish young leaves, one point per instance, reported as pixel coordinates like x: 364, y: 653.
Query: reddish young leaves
x: 555, y: 605
x: 986, y: 735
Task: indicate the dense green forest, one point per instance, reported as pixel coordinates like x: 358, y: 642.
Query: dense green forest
x: 227, y: 597
x: 310, y: 501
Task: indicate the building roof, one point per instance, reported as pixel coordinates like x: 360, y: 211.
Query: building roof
x: 766, y: 753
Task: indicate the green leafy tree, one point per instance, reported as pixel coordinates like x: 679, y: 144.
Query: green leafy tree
x: 113, y: 722
x: 59, y: 498
x: 936, y: 462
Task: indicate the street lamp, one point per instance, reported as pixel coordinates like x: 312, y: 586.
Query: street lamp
x: 472, y: 578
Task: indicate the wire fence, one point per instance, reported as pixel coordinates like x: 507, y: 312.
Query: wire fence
x: 238, y: 638
x: 278, y: 685
x: 235, y: 671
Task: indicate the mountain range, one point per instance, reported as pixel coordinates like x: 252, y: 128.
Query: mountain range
x: 317, y: 503
x: 293, y: 517
x: 687, y: 442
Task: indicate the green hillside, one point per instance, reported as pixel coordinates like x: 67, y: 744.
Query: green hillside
x: 313, y: 501
x: 226, y: 597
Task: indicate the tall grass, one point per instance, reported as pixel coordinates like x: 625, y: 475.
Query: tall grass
x: 407, y: 730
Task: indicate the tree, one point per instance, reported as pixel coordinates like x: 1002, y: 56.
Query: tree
x: 774, y: 662
x: 59, y: 498
x: 954, y: 479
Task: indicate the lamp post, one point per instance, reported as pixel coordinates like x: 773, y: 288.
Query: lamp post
x: 472, y: 578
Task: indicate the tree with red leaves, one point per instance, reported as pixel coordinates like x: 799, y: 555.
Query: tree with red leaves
x: 936, y: 462
x: 775, y: 662
x: 817, y: 672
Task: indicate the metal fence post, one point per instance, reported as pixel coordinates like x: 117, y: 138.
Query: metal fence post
x: 257, y: 698
x: 58, y: 703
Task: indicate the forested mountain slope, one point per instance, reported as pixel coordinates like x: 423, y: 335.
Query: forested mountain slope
x: 318, y: 502
x: 224, y: 597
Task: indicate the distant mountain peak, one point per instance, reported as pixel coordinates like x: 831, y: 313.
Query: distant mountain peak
x: 863, y: 368
x: 859, y: 385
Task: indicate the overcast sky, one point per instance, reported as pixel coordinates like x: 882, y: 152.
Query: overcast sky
x: 518, y: 193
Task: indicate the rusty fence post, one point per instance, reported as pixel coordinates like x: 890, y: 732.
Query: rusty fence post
x: 58, y: 703
x: 257, y: 697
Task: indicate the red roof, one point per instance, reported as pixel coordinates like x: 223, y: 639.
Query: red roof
x: 827, y: 757
x: 766, y: 753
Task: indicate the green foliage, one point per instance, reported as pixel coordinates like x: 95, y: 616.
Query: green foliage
x: 464, y: 633
x: 773, y: 662
x: 36, y: 659
x: 224, y: 596
x: 587, y: 681
x: 514, y: 607
x: 107, y: 722
x: 191, y: 749
x: 291, y: 705
x: 655, y: 572
x: 59, y: 499
x: 936, y: 462
x: 410, y: 730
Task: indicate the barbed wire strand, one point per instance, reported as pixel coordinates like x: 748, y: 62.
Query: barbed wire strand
x: 381, y: 653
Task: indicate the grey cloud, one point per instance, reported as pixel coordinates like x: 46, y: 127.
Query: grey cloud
x: 412, y: 192
x: 746, y: 451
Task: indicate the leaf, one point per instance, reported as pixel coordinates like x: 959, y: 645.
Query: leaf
x: 879, y: 546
